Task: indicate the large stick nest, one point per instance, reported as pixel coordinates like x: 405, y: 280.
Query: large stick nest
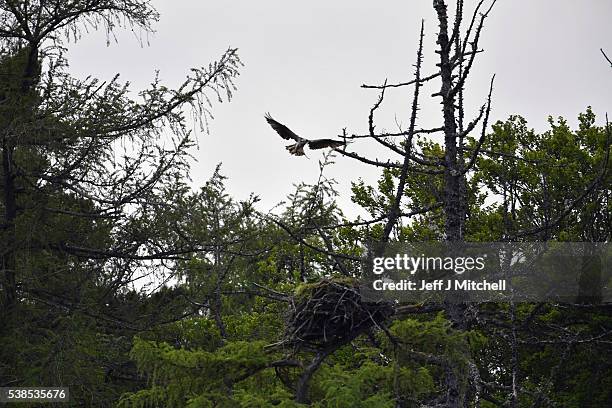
x: 331, y: 312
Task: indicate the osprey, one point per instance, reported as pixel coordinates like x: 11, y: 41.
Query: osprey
x: 297, y: 149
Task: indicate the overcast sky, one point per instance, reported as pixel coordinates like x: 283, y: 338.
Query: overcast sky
x: 305, y: 62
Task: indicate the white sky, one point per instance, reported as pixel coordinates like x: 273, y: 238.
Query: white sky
x: 305, y: 62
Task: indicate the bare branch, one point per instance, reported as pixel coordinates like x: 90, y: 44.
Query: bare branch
x: 421, y: 81
x: 371, y: 125
x: 474, y: 44
x: 419, y: 211
x: 484, y: 131
x: 456, y: 34
x: 309, y: 245
x: 416, y: 132
x: 468, y: 33
x: 605, y: 56
x: 395, y: 208
x: 365, y: 160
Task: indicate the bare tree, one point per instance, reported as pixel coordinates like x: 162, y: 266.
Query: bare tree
x: 463, y: 141
x: 457, y: 50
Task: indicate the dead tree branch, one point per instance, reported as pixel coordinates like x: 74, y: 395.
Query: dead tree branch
x: 606, y: 57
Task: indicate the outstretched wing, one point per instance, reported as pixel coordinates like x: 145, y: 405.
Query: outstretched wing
x: 282, y: 130
x: 323, y: 143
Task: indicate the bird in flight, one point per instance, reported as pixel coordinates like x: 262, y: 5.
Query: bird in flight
x: 297, y: 149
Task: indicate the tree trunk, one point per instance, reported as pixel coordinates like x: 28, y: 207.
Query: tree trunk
x: 452, y: 172
x: 8, y: 262
x: 301, y: 392
x: 10, y: 214
x: 454, y: 211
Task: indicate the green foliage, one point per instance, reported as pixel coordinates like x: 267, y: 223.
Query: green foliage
x: 193, y: 378
x: 366, y: 386
x: 93, y: 197
x: 96, y: 197
x: 412, y: 366
x: 537, y: 177
x: 64, y: 350
x: 304, y: 290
